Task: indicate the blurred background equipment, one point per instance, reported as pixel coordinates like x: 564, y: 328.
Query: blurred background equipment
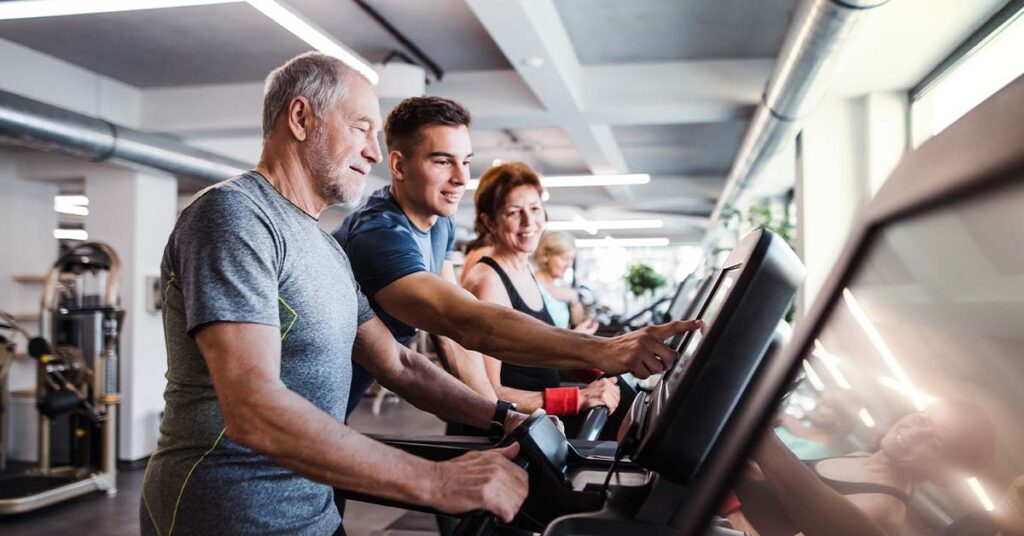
x: 77, y: 392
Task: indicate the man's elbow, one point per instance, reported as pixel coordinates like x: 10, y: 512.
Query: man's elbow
x: 390, y: 372
x: 244, y: 424
x: 241, y: 431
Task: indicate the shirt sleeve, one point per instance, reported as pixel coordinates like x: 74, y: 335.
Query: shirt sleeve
x: 451, y: 239
x: 382, y: 256
x: 364, y: 312
x: 227, y: 259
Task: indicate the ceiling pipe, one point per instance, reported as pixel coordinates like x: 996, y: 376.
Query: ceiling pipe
x: 803, y: 75
x: 35, y: 124
x: 425, y: 60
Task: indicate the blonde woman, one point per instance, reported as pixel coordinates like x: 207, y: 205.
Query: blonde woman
x: 555, y: 254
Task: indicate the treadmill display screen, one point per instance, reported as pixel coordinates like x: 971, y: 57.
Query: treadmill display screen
x: 708, y: 312
x: 689, y: 407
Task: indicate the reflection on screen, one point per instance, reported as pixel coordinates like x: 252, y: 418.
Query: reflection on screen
x: 712, y: 306
x: 909, y: 407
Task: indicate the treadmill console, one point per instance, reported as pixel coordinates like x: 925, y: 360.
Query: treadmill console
x: 692, y: 403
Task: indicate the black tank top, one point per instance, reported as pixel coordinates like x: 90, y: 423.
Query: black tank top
x: 517, y: 376
x: 767, y: 515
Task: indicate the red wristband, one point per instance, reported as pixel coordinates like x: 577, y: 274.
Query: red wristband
x: 562, y: 401
x: 729, y: 505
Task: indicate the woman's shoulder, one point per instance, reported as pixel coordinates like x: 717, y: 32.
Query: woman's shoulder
x: 483, y: 282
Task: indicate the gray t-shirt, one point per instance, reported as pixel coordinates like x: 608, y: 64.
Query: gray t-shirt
x: 241, y: 252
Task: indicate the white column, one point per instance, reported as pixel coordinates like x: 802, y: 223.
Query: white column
x: 850, y: 147
x: 831, y: 186
x: 887, y: 131
x: 134, y: 212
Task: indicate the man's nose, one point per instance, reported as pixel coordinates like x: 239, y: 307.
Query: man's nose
x: 460, y: 175
x: 372, y: 151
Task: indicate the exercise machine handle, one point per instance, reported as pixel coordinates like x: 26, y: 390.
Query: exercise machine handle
x: 593, y: 424
x: 481, y: 522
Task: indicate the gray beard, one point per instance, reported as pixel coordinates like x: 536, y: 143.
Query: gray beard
x: 331, y: 181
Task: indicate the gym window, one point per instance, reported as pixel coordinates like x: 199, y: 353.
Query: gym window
x: 989, y: 60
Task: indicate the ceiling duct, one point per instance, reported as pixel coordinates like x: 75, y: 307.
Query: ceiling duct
x: 803, y: 74
x: 35, y: 124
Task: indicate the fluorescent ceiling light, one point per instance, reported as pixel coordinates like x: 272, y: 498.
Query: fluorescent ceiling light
x: 834, y: 370
x: 71, y: 204
x: 866, y: 418
x: 983, y: 498
x: 813, y: 377
x: 568, y: 181
x: 621, y: 242
x: 70, y: 234
x: 920, y: 399
x: 76, y: 210
x: 285, y: 17
x: 578, y: 223
x: 313, y: 36
x: 78, y: 200
x: 831, y: 362
x: 31, y: 9
x: 883, y: 349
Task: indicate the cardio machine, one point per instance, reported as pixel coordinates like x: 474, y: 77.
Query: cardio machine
x: 77, y: 391
x: 663, y: 476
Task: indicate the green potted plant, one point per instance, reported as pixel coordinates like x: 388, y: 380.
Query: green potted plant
x: 642, y: 280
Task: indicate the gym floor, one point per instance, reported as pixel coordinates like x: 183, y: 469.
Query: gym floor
x: 99, y: 515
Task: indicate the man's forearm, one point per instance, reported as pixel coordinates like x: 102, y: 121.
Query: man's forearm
x: 466, y: 365
x: 431, y: 389
x: 514, y: 337
x: 298, y: 435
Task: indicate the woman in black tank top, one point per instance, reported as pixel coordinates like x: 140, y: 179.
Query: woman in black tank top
x: 510, y: 218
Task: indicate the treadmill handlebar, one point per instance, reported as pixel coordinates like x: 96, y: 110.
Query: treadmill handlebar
x: 593, y: 424
x: 483, y: 523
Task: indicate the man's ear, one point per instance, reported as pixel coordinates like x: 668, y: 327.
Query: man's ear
x: 396, y: 164
x: 300, y: 118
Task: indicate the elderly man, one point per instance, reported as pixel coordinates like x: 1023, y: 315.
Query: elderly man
x: 400, y: 244
x: 263, y: 317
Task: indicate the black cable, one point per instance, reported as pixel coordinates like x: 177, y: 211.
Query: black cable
x: 619, y: 454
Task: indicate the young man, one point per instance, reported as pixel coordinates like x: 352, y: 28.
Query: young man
x: 263, y: 318
x: 400, y: 246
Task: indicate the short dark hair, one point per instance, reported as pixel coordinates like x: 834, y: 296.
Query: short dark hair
x: 403, y: 125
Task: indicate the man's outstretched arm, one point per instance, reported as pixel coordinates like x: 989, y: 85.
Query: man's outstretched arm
x: 466, y: 365
x: 261, y: 413
x: 427, y: 301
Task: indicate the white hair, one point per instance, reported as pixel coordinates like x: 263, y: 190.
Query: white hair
x: 320, y: 78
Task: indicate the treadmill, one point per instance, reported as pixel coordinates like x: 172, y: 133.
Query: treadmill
x: 912, y: 355
x: 653, y: 477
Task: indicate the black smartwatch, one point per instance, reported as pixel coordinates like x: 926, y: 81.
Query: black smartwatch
x: 500, y: 414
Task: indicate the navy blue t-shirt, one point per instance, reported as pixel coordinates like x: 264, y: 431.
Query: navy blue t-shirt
x: 383, y: 246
